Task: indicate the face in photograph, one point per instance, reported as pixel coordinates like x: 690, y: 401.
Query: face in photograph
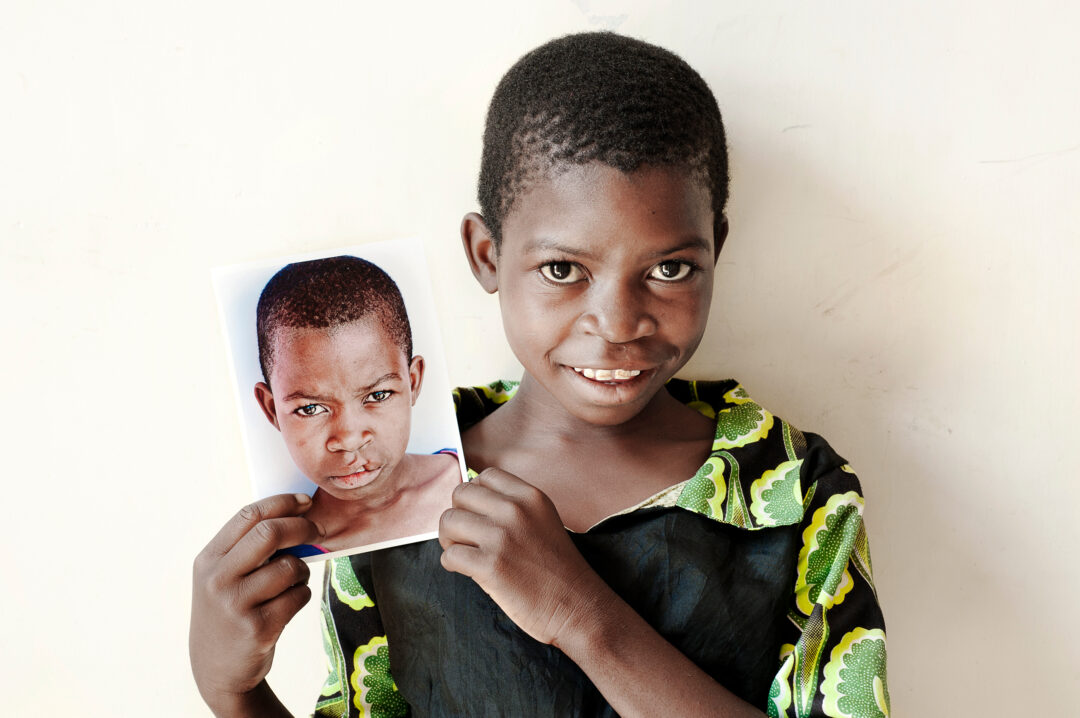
x: 342, y: 398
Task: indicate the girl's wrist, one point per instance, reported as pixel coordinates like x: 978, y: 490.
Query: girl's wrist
x: 259, y: 701
x: 593, y: 619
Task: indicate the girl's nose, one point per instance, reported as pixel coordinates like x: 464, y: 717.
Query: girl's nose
x: 619, y: 313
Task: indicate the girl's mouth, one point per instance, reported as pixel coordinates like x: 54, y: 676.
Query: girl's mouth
x: 623, y: 381
x: 607, y: 375
x: 610, y: 388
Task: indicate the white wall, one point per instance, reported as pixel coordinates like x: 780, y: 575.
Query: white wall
x: 901, y: 277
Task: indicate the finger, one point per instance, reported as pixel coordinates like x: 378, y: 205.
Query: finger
x: 511, y: 504
x: 249, y: 516
x: 276, y: 612
x: 478, y: 498
x: 459, y: 558
x: 270, y: 581
x: 266, y: 538
x: 507, y: 484
x: 465, y: 527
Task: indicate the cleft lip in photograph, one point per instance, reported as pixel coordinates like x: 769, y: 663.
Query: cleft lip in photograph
x: 340, y: 382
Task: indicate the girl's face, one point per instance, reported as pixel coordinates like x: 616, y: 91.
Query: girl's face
x: 605, y: 280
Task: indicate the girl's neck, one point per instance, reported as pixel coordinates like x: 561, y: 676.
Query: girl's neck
x: 535, y: 415
x: 590, y: 471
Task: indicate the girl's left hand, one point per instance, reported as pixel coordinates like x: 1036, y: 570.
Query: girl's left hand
x: 506, y: 535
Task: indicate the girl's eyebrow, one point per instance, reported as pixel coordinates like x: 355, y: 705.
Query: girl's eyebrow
x: 549, y: 245
x: 694, y: 243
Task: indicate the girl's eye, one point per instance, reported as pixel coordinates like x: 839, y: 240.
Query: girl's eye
x: 381, y: 395
x: 311, y: 410
x: 671, y: 271
x: 561, y: 272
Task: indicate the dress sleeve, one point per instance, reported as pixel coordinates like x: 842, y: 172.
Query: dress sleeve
x: 359, y: 684
x: 835, y: 664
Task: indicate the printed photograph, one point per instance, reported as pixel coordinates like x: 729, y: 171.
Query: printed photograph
x: 341, y: 385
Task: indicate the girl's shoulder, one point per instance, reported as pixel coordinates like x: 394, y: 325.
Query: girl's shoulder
x: 762, y: 470
x: 473, y: 403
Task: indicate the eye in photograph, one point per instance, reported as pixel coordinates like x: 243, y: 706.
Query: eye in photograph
x: 310, y: 410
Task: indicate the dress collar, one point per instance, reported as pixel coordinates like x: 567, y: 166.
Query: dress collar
x: 752, y: 478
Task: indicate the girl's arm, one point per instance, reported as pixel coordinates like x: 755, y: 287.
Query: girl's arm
x: 258, y: 702
x: 507, y: 536
x: 636, y: 669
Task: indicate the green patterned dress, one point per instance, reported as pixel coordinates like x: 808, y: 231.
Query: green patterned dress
x: 757, y: 568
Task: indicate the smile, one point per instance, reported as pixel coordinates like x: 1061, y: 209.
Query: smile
x: 608, y: 374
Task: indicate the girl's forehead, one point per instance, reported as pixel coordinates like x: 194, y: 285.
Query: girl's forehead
x: 595, y: 175
x: 598, y: 204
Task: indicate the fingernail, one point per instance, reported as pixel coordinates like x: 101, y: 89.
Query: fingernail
x: 303, y: 499
x: 320, y: 529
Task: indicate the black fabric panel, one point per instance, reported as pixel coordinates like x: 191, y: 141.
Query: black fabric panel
x: 718, y: 593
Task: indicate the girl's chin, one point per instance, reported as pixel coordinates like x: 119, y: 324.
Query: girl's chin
x: 605, y: 403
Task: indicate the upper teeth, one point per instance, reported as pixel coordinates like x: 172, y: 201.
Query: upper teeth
x: 608, y: 374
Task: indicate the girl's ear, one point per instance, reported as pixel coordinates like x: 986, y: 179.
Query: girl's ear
x: 480, y: 251
x: 720, y: 230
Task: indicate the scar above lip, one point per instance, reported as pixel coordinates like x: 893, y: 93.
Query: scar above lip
x: 361, y: 470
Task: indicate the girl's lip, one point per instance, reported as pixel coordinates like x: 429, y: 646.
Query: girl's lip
x: 610, y: 367
x: 617, y: 374
x: 614, y: 384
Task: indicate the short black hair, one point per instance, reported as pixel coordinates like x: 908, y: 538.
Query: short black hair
x: 324, y: 293
x: 602, y: 97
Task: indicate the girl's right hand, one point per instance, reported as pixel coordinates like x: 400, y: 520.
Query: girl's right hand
x: 241, y: 600
x: 506, y: 535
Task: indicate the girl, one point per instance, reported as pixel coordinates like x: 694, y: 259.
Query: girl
x: 630, y: 544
